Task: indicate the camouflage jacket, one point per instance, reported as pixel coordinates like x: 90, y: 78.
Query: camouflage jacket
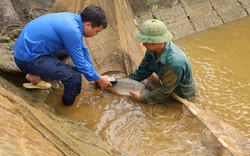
x: 174, y: 70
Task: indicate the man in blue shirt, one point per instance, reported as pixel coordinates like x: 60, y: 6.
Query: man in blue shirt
x: 165, y: 59
x: 47, y: 40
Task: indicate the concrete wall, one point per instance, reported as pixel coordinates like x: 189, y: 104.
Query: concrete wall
x: 184, y: 17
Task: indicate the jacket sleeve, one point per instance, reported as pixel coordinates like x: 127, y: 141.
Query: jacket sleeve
x: 143, y: 71
x: 79, y: 53
x: 170, y: 81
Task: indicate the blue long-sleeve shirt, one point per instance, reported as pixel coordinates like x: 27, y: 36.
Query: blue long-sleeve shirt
x: 52, y: 32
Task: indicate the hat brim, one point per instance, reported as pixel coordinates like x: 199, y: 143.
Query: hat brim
x: 139, y: 37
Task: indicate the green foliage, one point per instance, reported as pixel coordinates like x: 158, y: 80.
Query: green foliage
x: 149, y: 2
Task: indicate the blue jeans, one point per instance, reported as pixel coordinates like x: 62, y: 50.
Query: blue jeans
x: 52, y: 67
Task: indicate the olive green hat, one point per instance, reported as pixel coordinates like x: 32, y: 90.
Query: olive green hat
x: 153, y: 31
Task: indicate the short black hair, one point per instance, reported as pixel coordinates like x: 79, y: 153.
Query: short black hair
x: 95, y: 15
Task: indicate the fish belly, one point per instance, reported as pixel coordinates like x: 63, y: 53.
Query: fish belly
x: 123, y: 85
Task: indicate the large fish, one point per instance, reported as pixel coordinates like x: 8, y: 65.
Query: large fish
x: 123, y: 85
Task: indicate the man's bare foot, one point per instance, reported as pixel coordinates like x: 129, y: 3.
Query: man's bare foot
x: 33, y: 78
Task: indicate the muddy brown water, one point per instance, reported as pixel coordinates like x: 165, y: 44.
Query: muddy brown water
x: 220, y: 61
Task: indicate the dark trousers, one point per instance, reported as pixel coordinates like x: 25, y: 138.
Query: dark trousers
x: 52, y: 67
